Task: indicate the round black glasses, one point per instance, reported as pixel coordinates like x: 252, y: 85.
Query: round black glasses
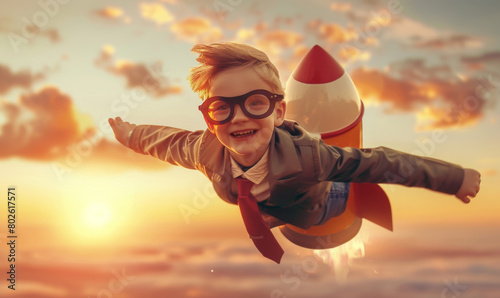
x: 256, y: 104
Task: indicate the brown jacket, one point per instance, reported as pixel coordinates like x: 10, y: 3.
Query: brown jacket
x: 301, y: 167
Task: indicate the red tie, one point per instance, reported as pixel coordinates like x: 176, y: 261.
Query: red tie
x: 256, y: 227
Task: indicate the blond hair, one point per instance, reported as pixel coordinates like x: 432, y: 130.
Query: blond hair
x: 216, y: 57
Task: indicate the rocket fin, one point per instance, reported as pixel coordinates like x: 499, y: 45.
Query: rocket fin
x: 373, y: 204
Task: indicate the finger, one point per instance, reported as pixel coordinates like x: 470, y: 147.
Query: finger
x: 465, y: 197
x: 118, y: 119
x: 112, y: 123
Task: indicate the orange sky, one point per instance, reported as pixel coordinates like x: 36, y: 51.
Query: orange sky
x: 98, y: 220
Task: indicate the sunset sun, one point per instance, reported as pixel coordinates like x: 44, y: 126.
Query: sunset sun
x: 97, y: 215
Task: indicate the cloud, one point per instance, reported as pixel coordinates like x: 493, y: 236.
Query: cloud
x: 153, y: 270
x: 110, y: 12
x: 151, y: 78
x: 280, y: 45
x: 278, y: 21
x: 156, y: 13
x: 334, y: 33
x: 411, y: 263
x: 330, y: 32
x: 197, y: 30
x: 406, y: 30
x: 373, y: 3
x: 244, y: 34
x: 350, y: 54
x: 417, y: 70
x: 348, y: 38
x: 341, y: 6
x: 378, y: 86
x: 7, y: 26
x: 378, y: 15
x: 52, y: 34
x: 45, y: 126
x: 23, y: 79
x: 113, y: 13
x: 482, y: 60
x: 280, y: 39
x: 283, y: 47
x: 418, y: 35
x: 407, y: 248
x: 455, y: 41
x: 41, y: 125
x: 94, y: 154
x: 438, y: 99
x: 138, y: 74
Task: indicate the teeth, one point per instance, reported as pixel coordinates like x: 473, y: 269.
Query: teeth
x: 242, y: 133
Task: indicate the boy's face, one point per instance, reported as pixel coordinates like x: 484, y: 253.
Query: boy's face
x: 249, y: 147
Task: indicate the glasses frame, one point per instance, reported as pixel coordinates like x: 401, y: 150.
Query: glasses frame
x: 240, y: 100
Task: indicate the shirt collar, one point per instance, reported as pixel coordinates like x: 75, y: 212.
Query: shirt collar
x: 256, y: 173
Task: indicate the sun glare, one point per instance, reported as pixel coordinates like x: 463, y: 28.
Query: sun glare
x: 97, y: 215
x: 94, y: 220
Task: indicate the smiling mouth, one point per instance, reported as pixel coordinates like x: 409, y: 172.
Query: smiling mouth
x: 243, y: 133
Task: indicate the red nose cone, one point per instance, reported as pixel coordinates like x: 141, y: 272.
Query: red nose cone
x: 317, y: 67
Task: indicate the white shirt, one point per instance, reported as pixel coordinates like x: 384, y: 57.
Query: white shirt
x: 257, y: 174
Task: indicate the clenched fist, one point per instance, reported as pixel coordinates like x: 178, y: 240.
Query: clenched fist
x: 470, y: 185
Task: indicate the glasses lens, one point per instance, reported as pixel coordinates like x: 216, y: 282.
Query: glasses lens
x: 219, y: 110
x: 257, y: 104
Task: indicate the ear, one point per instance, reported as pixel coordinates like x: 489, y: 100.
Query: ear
x: 210, y: 126
x: 279, y: 112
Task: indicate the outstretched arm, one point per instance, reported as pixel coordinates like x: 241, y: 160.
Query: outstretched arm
x: 385, y: 165
x: 174, y: 145
x: 470, y: 185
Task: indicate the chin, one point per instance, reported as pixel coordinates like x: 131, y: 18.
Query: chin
x: 248, y: 153
x: 244, y: 153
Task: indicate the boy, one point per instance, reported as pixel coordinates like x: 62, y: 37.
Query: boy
x: 291, y: 173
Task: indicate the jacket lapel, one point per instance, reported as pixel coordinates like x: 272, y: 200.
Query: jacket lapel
x: 215, y: 158
x: 283, y: 159
x: 284, y: 167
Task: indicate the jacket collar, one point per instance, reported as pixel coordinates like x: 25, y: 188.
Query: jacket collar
x: 214, y: 156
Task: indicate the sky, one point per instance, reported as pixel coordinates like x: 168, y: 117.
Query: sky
x: 95, y: 219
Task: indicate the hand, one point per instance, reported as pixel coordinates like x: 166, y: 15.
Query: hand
x: 121, y: 129
x: 470, y: 185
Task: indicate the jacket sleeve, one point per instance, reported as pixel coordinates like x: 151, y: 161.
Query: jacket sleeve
x: 385, y: 165
x: 176, y: 146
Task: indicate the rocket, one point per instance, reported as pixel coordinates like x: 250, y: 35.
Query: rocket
x: 322, y: 98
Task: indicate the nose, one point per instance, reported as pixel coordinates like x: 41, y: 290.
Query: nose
x: 239, y: 116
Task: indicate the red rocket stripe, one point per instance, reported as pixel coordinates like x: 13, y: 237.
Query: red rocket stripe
x: 317, y: 67
x: 327, y: 135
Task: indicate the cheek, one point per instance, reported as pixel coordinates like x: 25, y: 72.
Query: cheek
x: 220, y: 132
x: 267, y: 130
